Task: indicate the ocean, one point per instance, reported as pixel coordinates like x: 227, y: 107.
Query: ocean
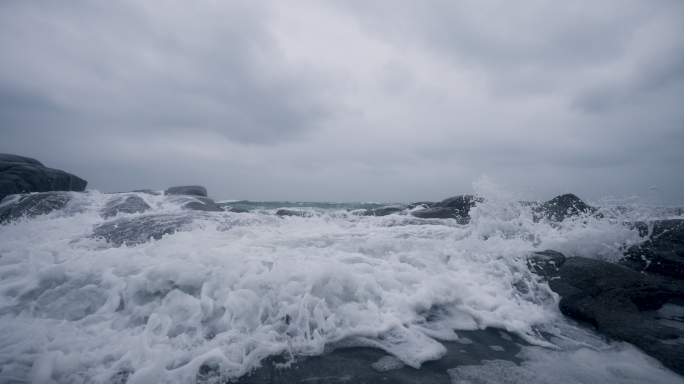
x: 219, y: 295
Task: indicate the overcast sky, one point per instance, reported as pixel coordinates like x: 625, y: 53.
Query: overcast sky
x: 350, y: 100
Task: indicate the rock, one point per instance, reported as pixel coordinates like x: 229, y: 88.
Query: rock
x: 662, y: 253
x: 424, y: 204
x: 617, y: 301
x: 456, y: 207
x: 132, y: 204
x: 382, y: 211
x: 236, y: 210
x: 546, y: 263
x: 289, y: 212
x: 33, y: 205
x: 20, y: 174
x: 561, y: 207
x: 203, y: 204
x: 138, y: 230
x: 189, y: 190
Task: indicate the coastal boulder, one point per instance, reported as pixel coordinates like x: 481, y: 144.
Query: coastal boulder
x: 457, y: 207
x: 561, y: 207
x: 20, y: 174
x: 200, y: 200
x: 662, y: 253
x: 616, y: 300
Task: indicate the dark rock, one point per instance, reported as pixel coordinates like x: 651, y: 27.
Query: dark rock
x: 382, y: 211
x: 132, y: 204
x: 355, y: 365
x: 289, y: 212
x: 190, y: 190
x: 561, y: 207
x: 616, y: 300
x: 32, y: 205
x: 456, y: 207
x: 424, y: 204
x: 203, y: 204
x: 463, y: 202
x: 20, y: 174
x: 437, y: 213
x: 546, y: 263
x: 236, y: 210
x: 662, y: 253
x: 139, y: 230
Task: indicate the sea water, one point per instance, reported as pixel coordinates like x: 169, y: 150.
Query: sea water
x: 228, y: 290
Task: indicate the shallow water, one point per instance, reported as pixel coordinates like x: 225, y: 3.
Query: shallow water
x: 229, y: 290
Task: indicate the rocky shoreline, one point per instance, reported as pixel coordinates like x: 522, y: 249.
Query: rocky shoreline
x: 626, y: 301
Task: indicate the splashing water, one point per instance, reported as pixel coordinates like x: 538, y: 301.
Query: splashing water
x: 230, y: 289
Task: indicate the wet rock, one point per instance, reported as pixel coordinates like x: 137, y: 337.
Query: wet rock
x: 360, y: 365
x: 617, y: 301
x: 382, y: 211
x: 33, y: 205
x: 236, y: 210
x: 422, y: 204
x: 203, y: 204
x: 140, y: 229
x: 662, y: 253
x: 561, y: 207
x: 189, y: 190
x: 132, y: 204
x: 20, y: 174
x: 456, y: 207
x: 291, y: 212
x: 546, y: 263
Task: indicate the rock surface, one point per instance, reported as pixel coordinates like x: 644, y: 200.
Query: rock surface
x: 132, y: 204
x: 291, y: 212
x: 456, y: 207
x: 617, y: 301
x: 139, y: 230
x: 561, y: 207
x: 33, y: 205
x: 20, y: 174
x: 189, y: 190
x: 663, y: 252
x: 383, y: 211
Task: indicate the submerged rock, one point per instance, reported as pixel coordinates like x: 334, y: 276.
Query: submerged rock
x: 20, y: 174
x: 290, y: 212
x: 132, y: 204
x: 140, y: 229
x: 617, y: 301
x: 662, y: 253
x: 382, y: 211
x: 33, y: 205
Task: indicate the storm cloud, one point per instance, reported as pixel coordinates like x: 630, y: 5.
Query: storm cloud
x: 361, y: 100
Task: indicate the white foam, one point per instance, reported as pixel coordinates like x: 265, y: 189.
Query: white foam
x: 231, y: 289
x: 619, y: 364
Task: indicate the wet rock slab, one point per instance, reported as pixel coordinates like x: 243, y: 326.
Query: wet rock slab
x: 32, y: 205
x: 368, y: 365
x: 617, y: 301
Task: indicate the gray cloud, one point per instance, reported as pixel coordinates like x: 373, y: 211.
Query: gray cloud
x: 147, y: 66
x: 362, y: 100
